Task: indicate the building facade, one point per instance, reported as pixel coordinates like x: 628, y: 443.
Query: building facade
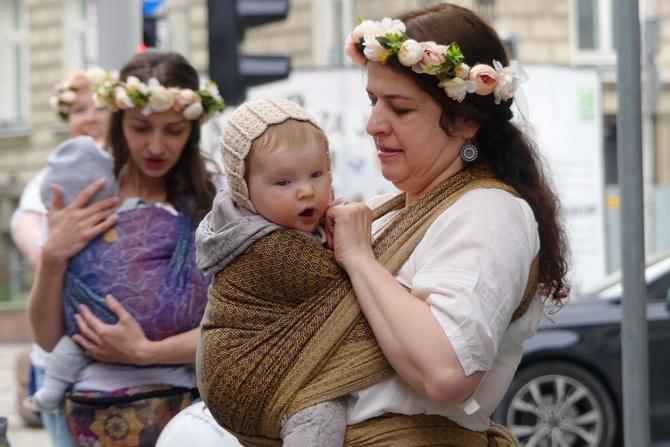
x: 45, y: 40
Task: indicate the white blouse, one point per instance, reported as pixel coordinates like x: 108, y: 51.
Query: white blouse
x: 472, y: 268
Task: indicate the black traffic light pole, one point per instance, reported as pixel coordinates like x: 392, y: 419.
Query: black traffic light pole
x: 223, y: 49
x: 232, y: 71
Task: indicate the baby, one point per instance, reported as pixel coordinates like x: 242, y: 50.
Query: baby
x: 75, y: 164
x: 278, y: 167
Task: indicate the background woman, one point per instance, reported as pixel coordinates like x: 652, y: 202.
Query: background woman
x: 161, y: 173
x: 73, y: 103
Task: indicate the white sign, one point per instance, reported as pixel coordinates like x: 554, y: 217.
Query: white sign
x: 566, y: 116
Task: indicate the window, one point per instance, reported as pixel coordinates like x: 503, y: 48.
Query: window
x: 80, y: 43
x: 333, y: 21
x: 593, y: 41
x: 14, y: 98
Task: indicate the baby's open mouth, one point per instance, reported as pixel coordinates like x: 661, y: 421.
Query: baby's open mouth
x: 309, y: 212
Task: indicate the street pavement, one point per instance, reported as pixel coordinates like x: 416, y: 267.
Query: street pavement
x: 18, y: 434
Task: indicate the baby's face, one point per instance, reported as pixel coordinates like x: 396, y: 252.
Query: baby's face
x: 290, y: 185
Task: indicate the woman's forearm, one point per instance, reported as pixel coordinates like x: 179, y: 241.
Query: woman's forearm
x: 27, y: 232
x: 409, y: 334
x: 45, y: 305
x: 177, y: 349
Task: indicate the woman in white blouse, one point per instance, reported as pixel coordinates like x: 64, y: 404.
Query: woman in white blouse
x: 452, y: 321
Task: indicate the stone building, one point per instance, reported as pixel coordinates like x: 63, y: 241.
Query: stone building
x: 45, y: 40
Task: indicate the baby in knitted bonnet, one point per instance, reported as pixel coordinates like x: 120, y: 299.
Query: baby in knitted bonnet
x: 277, y: 163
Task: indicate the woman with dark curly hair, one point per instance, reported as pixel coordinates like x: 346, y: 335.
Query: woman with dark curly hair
x: 452, y: 319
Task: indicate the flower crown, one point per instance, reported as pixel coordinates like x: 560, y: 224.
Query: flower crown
x: 154, y: 97
x: 378, y: 41
x: 66, y: 91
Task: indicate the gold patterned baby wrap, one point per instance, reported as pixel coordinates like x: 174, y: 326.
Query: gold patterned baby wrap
x: 283, y: 331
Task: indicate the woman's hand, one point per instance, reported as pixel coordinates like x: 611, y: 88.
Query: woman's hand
x: 74, y: 226
x: 126, y: 342
x: 348, y: 228
x: 123, y: 342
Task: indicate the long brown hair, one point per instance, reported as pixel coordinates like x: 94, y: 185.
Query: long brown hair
x: 189, y: 185
x: 502, y: 145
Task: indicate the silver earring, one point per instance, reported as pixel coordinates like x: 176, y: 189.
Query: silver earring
x: 469, y: 153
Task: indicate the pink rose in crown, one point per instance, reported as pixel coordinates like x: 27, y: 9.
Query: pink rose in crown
x: 485, y: 77
x: 433, y: 54
x: 79, y: 80
x: 177, y: 105
x: 351, y: 51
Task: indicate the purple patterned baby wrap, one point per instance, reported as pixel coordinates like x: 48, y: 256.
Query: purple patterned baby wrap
x: 146, y: 261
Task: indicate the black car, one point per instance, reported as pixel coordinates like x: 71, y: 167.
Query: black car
x: 567, y: 390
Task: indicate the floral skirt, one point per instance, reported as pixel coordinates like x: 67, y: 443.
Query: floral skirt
x: 128, y: 417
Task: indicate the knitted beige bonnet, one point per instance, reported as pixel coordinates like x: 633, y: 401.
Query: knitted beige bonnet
x: 247, y: 123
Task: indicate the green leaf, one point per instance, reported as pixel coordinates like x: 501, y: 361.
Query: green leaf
x: 454, y: 54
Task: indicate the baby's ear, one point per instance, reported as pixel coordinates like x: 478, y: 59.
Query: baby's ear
x: 332, y: 194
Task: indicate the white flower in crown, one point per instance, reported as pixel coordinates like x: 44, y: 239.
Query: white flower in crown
x: 456, y: 88
x: 374, y: 50
x: 213, y: 89
x: 98, y: 101
x: 133, y: 83
x: 97, y: 75
x: 410, y: 52
x: 193, y: 111
x: 508, y: 80
x: 462, y: 71
x: 160, y: 99
x: 359, y: 32
x: 68, y: 96
x: 393, y: 26
x: 121, y: 99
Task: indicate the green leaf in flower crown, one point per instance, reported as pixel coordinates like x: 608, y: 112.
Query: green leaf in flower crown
x: 383, y: 41
x: 138, y: 98
x: 454, y: 53
x: 395, y: 41
x: 442, y: 70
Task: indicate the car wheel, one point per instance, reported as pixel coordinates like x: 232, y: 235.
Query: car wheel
x: 558, y: 404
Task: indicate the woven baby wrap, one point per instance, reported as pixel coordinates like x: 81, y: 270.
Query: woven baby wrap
x: 283, y: 331
x: 146, y: 261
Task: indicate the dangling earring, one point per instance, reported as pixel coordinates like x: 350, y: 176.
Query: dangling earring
x: 469, y: 152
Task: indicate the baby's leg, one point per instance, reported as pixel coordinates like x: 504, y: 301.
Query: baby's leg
x: 63, y: 367
x: 323, y: 425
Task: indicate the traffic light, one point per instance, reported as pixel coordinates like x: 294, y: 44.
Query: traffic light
x: 150, y: 12
x: 231, y: 70
x: 149, y: 32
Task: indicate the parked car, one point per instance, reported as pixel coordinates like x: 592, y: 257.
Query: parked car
x: 567, y: 390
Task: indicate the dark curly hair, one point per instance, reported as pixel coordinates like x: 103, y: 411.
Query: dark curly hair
x: 189, y: 185
x: 502, y: 145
